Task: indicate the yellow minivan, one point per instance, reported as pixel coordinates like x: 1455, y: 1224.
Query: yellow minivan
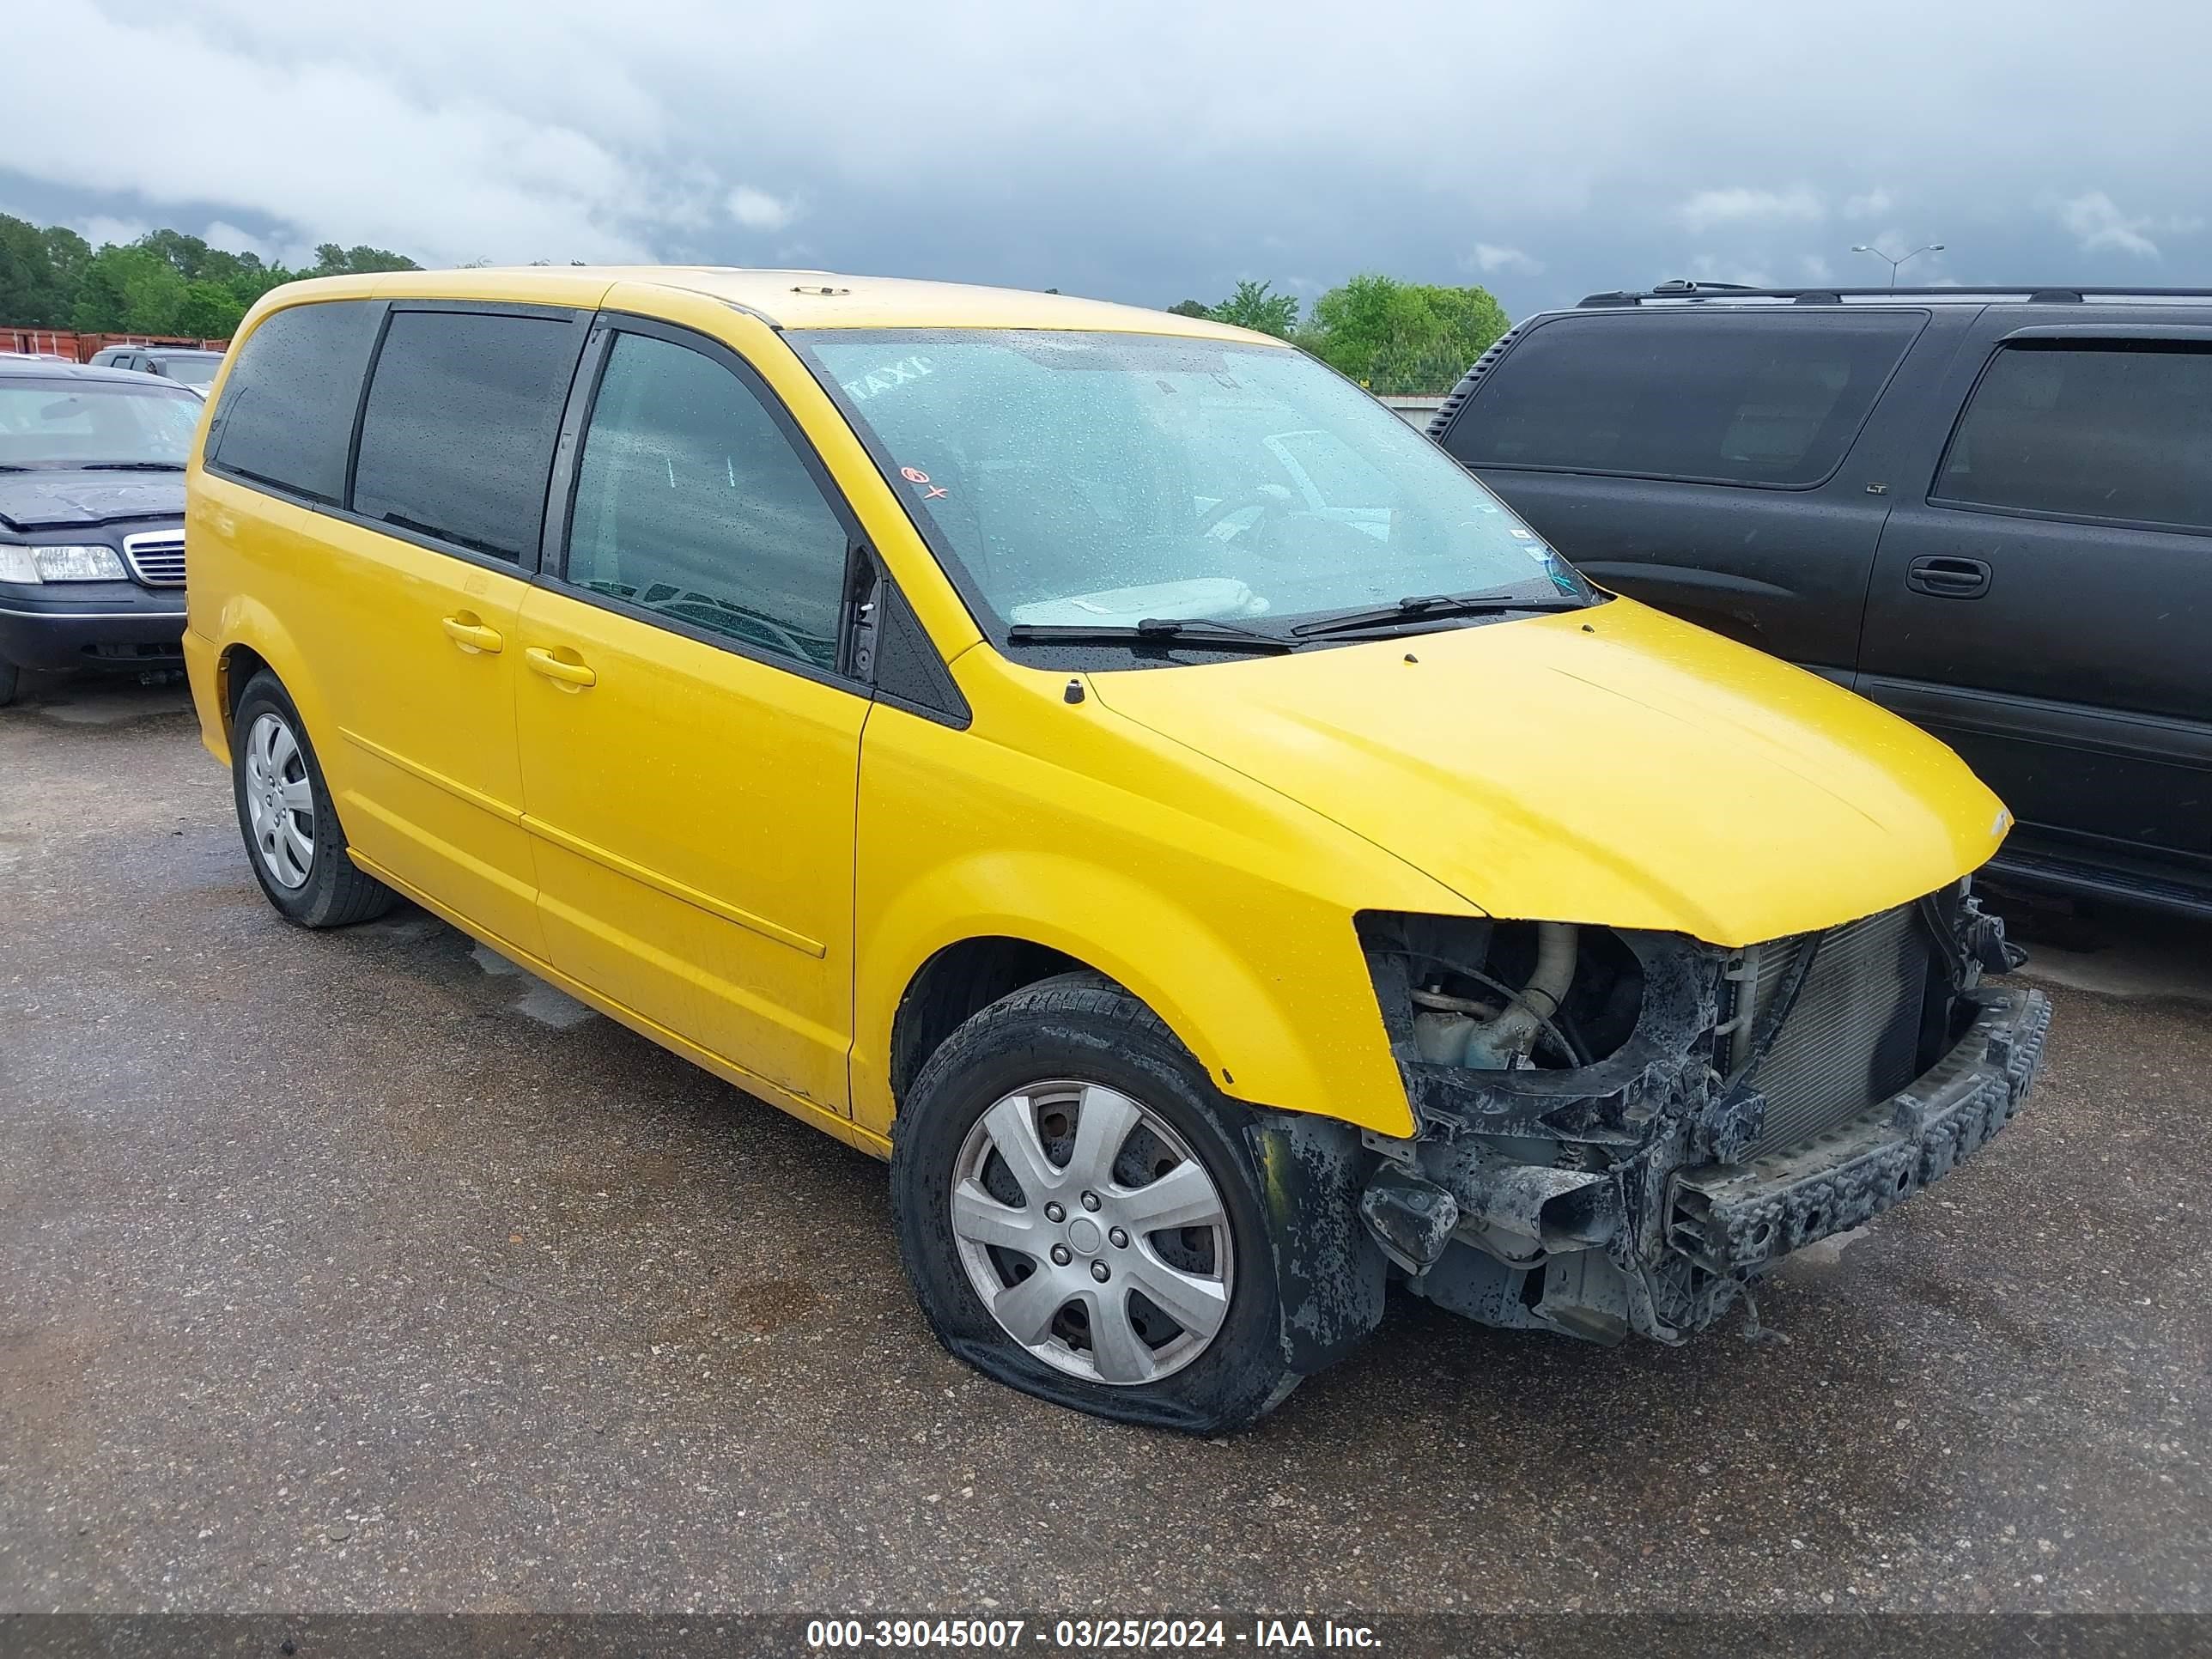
x: 1111, y: 767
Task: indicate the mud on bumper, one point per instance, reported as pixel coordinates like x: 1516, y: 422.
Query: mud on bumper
x: 1733, y: 1220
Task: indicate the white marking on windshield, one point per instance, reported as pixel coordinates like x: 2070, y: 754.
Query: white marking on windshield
x: 876, y: 381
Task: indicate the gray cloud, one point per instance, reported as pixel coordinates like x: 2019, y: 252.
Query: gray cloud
x: 1490, y: 258
x: 1148, y: 151
x: 1741, y: 204
x: 2097, y: 222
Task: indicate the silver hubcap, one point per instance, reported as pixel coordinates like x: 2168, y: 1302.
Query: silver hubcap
x: 1093, y: 1234
x: 280, y: 808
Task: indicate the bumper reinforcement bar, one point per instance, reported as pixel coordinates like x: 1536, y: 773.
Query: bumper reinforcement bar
x: 1734, y: 1219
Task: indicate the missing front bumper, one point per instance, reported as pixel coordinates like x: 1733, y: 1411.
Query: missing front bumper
x: 1693, y: 1236
x: 1733, y: 1220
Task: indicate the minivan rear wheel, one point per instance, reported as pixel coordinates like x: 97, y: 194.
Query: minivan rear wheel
x: 1081, y: 1218
x: 293, y: 837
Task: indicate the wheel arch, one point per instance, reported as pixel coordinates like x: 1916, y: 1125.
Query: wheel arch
x: 1329, y: 1275
x: 252, y: 640
x: 993, y: 923
x: 956, y: 983
x: 235, y: 665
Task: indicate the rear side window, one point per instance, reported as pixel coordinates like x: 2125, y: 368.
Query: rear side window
x: 457, y: 438
x: 1723, y: 397
x: 692, y: 503
x: 2112, y: 430
x: 286, y: 413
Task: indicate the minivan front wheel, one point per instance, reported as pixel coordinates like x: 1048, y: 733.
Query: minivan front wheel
x: 1080, y: 1217
x: 284, y: 811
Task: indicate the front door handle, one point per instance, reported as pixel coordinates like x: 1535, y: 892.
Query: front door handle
x: 568, y: 673
x: 468, y: 631
x: 1948, y: 578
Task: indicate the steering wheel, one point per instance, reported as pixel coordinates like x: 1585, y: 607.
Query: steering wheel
x: 1268, y: 498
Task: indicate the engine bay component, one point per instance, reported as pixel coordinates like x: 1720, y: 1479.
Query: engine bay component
x: 1618, y: 1131
x: 1500, y: 1044
x: 1413, y: 1219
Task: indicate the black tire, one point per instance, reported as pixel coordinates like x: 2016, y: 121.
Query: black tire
x: 1085, y: 1028
x: 10, y: 678
x: 334, y: 892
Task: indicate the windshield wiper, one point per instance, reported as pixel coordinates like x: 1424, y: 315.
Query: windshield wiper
x: 132, y: 466
x: 1152, y: 631
x: 1428, y: 607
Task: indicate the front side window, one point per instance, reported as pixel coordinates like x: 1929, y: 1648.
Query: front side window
x: 2110, y: 430
x: 286, y: 416
x: 457, y: 438
x: 1739, y: 396
x: 94, y: 423
x: 1074, y: 479
x: 691, y: 502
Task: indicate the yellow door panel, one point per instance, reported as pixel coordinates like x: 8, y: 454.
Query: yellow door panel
x: 401, y: 660
x: 414, y: 652
x: 692, y: 811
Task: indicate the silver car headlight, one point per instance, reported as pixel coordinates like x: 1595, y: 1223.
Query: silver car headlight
x: 66, y: 562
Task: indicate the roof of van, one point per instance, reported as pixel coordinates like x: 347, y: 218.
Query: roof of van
x: 787, y: 299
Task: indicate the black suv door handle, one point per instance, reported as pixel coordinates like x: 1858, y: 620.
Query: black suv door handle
x: 1948, y: 578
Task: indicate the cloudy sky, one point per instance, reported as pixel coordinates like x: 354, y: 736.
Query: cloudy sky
x: 1141, y: 150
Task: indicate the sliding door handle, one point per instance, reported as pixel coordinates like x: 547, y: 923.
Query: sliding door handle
x: 561, y: 670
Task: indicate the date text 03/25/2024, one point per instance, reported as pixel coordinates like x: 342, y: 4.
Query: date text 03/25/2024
x: 1088, y: 1635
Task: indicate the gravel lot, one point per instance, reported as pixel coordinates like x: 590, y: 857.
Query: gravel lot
x: 361, y: 1270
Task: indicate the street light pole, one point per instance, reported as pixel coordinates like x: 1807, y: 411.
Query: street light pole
x: 1864, y: 247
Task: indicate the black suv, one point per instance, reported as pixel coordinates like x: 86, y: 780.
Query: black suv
x: 1989, y: 510
x: 92, y: 518
x: 185, y: 365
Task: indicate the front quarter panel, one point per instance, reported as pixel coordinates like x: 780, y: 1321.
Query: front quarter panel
x: 1225, y: 908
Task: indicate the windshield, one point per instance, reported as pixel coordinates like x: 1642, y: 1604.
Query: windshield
x: 63, y: 423
x: 197, y: 369
x: 1079, y: 479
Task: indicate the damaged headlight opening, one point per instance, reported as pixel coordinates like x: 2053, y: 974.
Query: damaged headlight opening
x: 1617, y: 1131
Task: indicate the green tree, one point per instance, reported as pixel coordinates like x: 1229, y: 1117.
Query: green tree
x: 165, y: 283
x: 210, y: 310
x: 1254, y: 308
x: 1395, y: 337
x: 1190, y: 308
x: 128, y: 290
x: 69, y: 253
x: 31, y: 294
x: 331, y: 260
x: 191, y: 258
x: 153, y: 297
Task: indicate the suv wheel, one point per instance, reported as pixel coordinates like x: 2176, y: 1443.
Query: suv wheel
x: 1079, y: 1216
x: 292, y: 831
x: 10, y: 678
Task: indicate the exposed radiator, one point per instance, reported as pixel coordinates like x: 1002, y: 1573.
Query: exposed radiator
x: 1851, y: 1036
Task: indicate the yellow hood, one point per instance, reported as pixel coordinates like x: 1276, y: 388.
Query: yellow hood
x: 1610, y: 766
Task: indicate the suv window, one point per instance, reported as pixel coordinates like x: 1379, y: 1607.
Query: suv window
x: 286, y: 413
x: 1725, y: 398
x: 2112, y: 430
x: 692, y: 502
x: 457, y: 438
x: 188, y: 369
